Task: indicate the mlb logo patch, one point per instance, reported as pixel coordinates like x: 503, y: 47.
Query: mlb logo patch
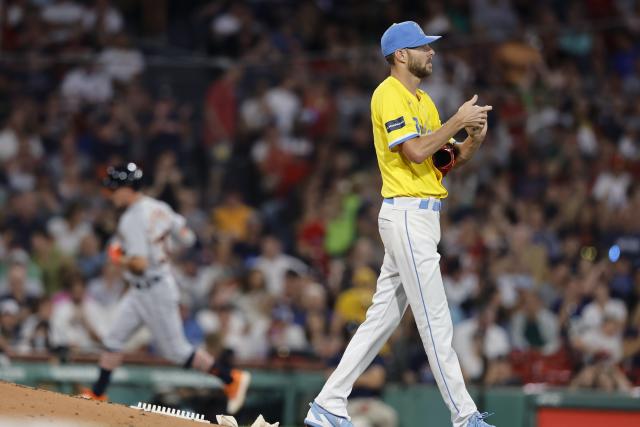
x: 394, y: 124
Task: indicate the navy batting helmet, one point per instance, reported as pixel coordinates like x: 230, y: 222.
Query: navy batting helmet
x: 125, y: 175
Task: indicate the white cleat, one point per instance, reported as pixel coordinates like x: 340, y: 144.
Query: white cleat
x: 320, y: 417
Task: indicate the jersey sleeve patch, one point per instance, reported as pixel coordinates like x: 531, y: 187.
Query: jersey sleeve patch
x: 394, y: 124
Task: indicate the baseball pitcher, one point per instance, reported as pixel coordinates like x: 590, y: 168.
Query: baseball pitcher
x: 414, y: 151
x: 147, y: 230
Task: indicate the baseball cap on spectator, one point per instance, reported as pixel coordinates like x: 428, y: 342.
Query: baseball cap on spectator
x: 407, y: 34
x: 9, y: 306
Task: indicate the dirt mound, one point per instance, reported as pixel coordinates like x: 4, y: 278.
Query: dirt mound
x: 22, y: 406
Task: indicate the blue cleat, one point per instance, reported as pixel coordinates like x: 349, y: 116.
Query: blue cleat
x: 320, y: 417
x: 477, y: 420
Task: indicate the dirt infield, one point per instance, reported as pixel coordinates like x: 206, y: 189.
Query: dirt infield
x: 22, y: 406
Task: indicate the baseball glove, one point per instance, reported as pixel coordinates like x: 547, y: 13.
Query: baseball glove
x: 445, y: 158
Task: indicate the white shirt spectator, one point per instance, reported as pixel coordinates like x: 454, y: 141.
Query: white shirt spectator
x: 496, y: 344
x: 67, y: 239
x: 458, y: 291
x: 121, y: 65
x: 112, y: 22
x: 15, y: 15
x: 200, y: 286
x: 246, y: 341
x: 70, y: 324
x: 9, y: 145
x: 82, y: 85
x: 587, y: 141
x: 508, y: 285
x: 226, y: 25
x: 255, y: 113
x: 628, y: 145
x: 593, y: 314
x: 274, y: 270
x: 290, y: 338
x: 285, y: 105
x: 612, y: 188
x: 63, y: 12
x: 598, y: 342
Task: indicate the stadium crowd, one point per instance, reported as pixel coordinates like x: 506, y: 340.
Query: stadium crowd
x: 270, y: 158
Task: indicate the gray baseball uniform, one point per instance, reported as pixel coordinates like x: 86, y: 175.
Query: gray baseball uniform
x: 146, y: 229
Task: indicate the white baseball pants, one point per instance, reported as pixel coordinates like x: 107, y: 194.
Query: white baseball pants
x: 158, y: 308
x: 410, y: 231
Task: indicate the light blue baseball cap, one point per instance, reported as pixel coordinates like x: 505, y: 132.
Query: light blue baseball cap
x: 403, y: 35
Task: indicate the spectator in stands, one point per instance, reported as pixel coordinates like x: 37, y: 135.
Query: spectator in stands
x: 120, y: 61
x: 63, y: 19
x: 352, y: 303
x: 32, y: 283
x: 274, y: 265
x: 232, y: 217
x: 222, y: 318
x: 293, y: 295
x: 483, y: 347
x: 22, y: 219
x: 90, y: 259
x: 52, y: 262
x: 494, y: 18
x: 189, y: 207
x: 534, y: 327
x: 285, y: 337
x: 603, y: 305
x: 283, y: 101
x: 255, y: 301
x: 18, y: 291
x: 36, y: 329
x: 316, y: 321
x: 281, y: 159
x: 622, y: 283
x: 570, y: 305
x: 69, y: 230
x: 9, y: 325
x: 18, y: 135
x: 166, y: 136
x: 461, y: 288
x: 602, y: 350
x: 200, y: 280
x: 107, y: 289
x: 86, y: 84
x: 102, y: 18
x: 75, y: 323
x: 612, y: 185
x: 254, y: 111
x: 221, y: 109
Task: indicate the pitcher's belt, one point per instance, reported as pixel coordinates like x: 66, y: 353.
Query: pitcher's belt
x: 415, y: 203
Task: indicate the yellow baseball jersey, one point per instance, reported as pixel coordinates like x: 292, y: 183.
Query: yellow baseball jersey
x: 397, y: 116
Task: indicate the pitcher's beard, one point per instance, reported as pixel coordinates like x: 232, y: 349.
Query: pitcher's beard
x: 420, y: 71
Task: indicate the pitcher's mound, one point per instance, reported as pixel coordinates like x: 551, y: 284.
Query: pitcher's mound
x: 22, y: 406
